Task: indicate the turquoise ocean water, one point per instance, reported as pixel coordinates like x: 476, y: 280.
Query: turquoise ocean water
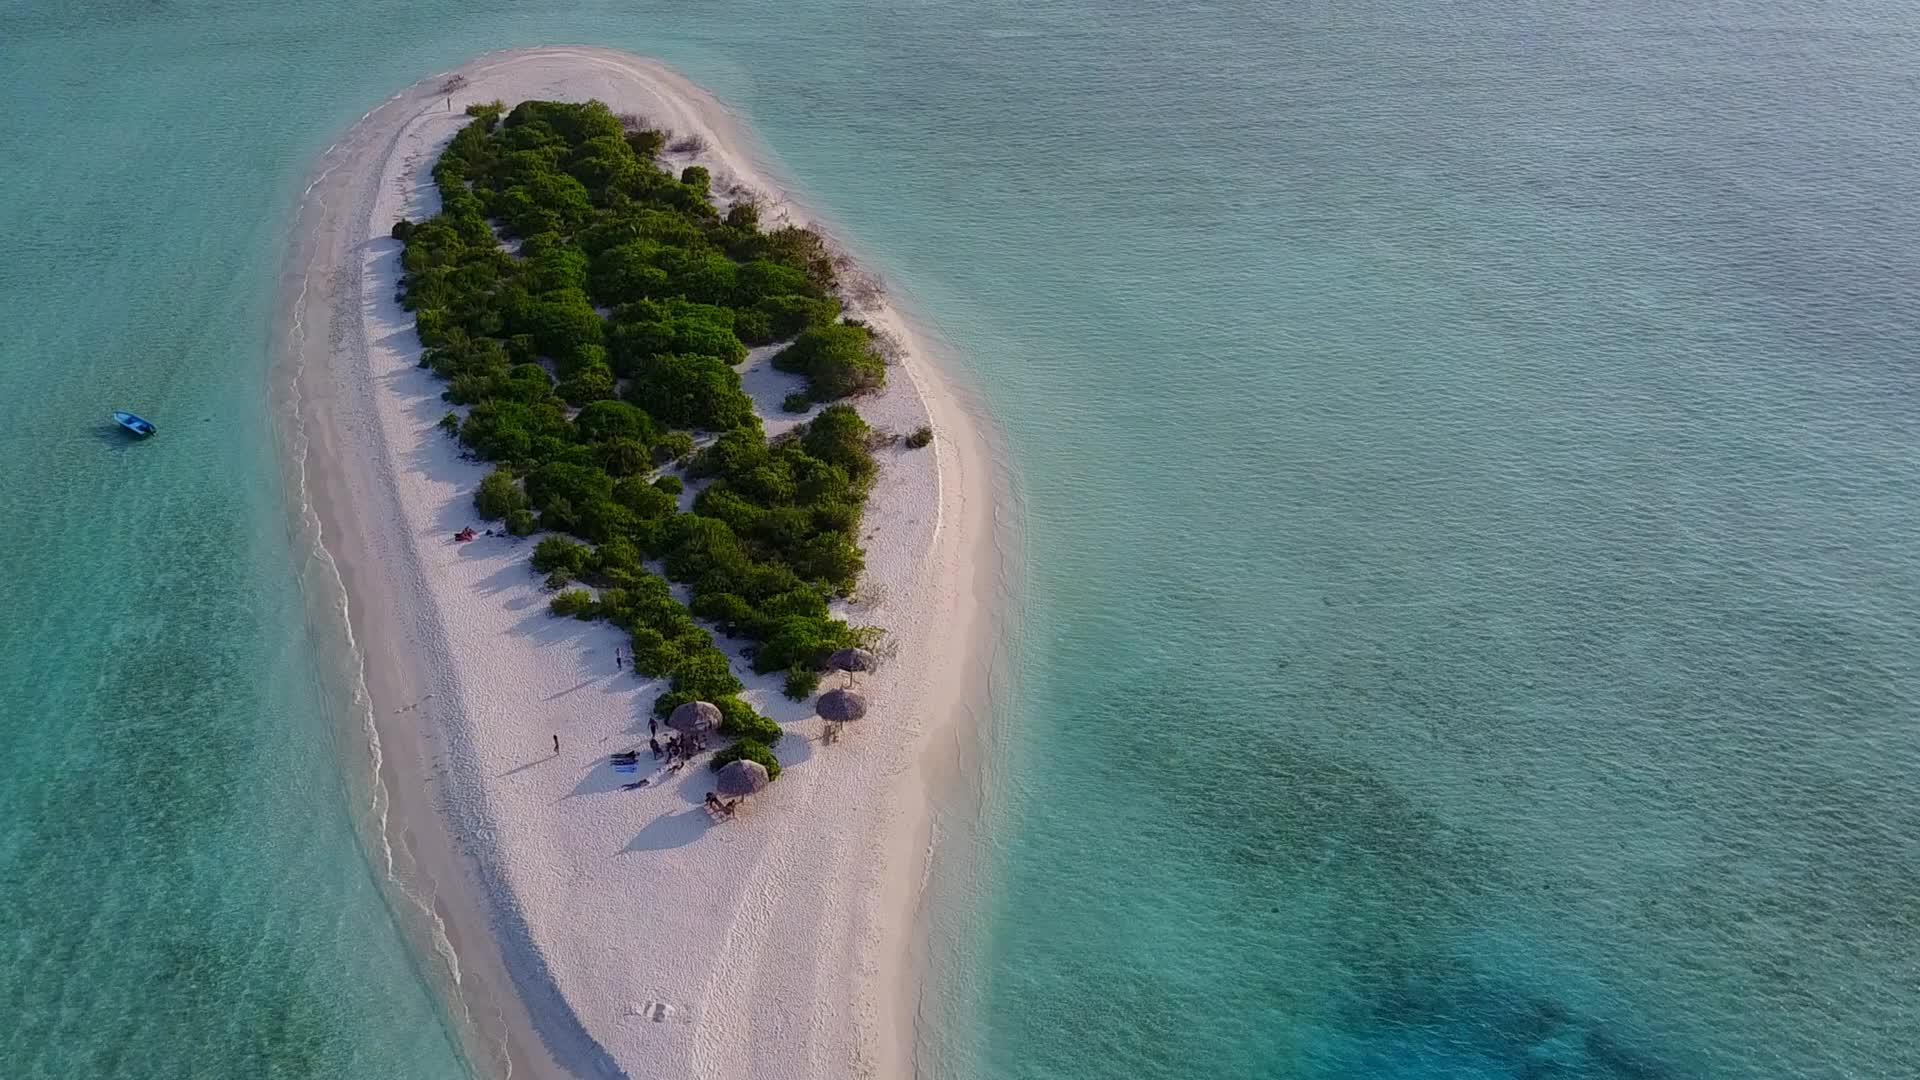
x: 1466, y: 460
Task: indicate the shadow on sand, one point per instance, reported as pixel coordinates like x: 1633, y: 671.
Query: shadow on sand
x: 602, y: 778
x: 670, y: 831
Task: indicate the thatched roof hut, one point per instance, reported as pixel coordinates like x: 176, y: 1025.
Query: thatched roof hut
x: 841, y: 705
x: 695, y: 717
x: 851, y: 660
x: 742, y: 777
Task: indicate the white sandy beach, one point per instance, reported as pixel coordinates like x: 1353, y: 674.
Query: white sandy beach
x: 780, y: 943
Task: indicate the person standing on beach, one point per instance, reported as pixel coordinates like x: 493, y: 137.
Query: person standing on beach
x: 653, y: 726
x: 556, y: 744
x: 616, y: 659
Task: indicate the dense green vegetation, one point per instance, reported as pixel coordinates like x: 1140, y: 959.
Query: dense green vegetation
x: 588, y: 308
x: 752, y: 750
x: 837, y: 358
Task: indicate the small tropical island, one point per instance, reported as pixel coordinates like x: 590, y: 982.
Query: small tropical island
x: 588, y: 307
x: 603, y: 436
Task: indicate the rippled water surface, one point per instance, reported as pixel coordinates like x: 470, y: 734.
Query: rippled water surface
x: 1466, y: 463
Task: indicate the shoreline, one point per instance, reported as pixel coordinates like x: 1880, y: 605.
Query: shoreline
x: 548, y: 943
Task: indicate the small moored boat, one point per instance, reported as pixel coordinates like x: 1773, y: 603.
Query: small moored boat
x: 133, y: 423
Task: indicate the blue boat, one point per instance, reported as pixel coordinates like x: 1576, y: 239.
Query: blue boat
x: 133, y: 423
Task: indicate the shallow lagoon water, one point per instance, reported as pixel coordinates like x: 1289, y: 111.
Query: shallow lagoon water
x: 1465, y: 467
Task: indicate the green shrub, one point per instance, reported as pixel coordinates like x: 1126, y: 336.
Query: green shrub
x: 646, y: 144
x: 753, y: 326
x: 647, y: 500
x: 750, y: 750
x: 672, y: 447
x: 733, y: 453
x: 621, y: 557
x: 557, y: 553
x: 652, y: 327
x: 744, y: 216
x: 839, y: 437
x: 787, y: 315
x: 690, y: 392
x: 732, y: 613
x: 561, y: 482
x: 573, y: 123
x: 698, y: 545
x: 521, y: 349
x: 402, y: 229
x: 562, y: 322
x: 521, y: 523
x: 450, y: 423
x: 559, y: 516
x: 603, y: 420
x: 764, y: 278
x: 707, y: 675
x: 588, y: 385
x: 506, y: 430
x: 920, y: 437
x: 801, y: 683
x: 498, y: 495
x: 804, y: 250
x: 626, y: 273
x: 651, y: 228
x: 654, y: 654
x: 837, y: 360
x: 603, y: 162
x: 603, y: 520
x: 829, y: 557
x: 581, y: 359
x: 623, y: 457
x: 578, y: 603
x: 803, y: 641
x: 553, y: 265
x: 672, y: 485
x: 739, y: 719
x: 798, y: 401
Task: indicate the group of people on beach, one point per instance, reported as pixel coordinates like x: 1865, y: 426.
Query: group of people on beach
x: 467, y: 535
x: 627, y: 760
x: 678, y: 749
x: 681, y: 747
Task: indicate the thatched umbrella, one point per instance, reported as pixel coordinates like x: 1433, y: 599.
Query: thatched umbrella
x: 695, y: 717
x: 741, y: 777
x: 851, y: 660
x: 841, y: 705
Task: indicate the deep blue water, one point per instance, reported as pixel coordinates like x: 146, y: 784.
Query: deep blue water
x: 1466, y: 462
